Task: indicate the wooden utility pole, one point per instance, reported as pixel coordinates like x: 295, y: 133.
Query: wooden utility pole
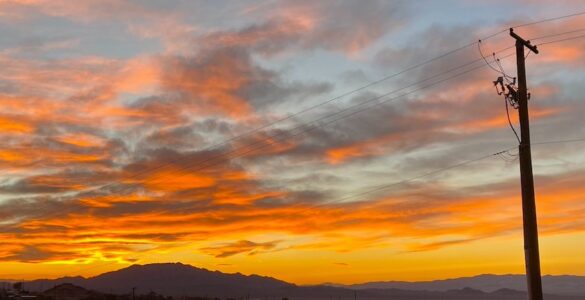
x: 531, y: 252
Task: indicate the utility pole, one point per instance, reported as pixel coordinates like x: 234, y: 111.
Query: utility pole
x: 134, y: 293
x: 531, y: 252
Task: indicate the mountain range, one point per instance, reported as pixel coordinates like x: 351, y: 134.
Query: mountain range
x: 177, y: 280
x: 561, y: 284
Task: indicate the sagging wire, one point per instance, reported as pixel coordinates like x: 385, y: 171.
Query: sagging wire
x: 507, y: 156
x: 510, y: 98
x: 503, y: 72
x: 510, y: 121
x: 486, y: 61
x: 508, y: 90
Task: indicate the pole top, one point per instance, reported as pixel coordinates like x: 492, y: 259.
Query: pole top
x: 523, y: 41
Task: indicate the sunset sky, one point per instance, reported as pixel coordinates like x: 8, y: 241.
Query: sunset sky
x: 312, y: 141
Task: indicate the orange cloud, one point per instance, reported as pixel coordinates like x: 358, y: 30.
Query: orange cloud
x: 561, y: 54
x: 176, y: 180
x: 81, y: 140
x: 110, y: 200
x: 212, y: 86
x: 500, y: 120
x: 371, y: 147
x: 243, y: 246
x: 334, y: 227
x: 27, y: 156
x: 14, y: 126
x: 139, y: 75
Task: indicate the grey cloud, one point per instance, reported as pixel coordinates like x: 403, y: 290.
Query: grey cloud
x: 239, y: 247
x: 31, y: 254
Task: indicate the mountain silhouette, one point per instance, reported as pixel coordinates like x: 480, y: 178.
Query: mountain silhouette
x: 173, y: 279
x: 178, y: 280
x: 560, y: 285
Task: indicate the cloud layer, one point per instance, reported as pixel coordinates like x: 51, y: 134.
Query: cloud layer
x: 114, y: 152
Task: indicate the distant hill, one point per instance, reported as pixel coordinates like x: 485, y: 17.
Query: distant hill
x: 176, y: 279
x: 560, y: 285
x: 67, y: 291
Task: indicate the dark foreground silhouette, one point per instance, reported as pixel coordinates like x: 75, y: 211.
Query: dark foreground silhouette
x: 180, y: 281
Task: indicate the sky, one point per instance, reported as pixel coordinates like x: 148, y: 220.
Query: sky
x: 312, y: 141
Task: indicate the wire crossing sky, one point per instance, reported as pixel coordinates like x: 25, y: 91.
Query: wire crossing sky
x: 364, y: 141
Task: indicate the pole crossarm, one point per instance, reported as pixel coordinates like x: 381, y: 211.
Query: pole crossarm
x: 523, y: 41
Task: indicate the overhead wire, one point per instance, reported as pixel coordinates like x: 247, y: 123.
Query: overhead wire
x: 499, y: 64
x: 550, y: 19
x: 427, y: 174
x: 506, y: 151
x: 485, y: 60
x: 310, y: 108
x: 288, y: 117
x: 225, y: 142
x: 556, y: 34
x: 574, y: 140
x: 508, y: 156
x: 509, y: 120
x: 561, y: 40
x: 506, y: 77
x: 320, y: 122
x: 502, y: 71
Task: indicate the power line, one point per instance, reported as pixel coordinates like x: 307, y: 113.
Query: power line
x: 575, y: 140
x: 544, y: 43
x: 431, y: 173
x: 561, y: 40
x: 456, y: 165
x: 310, y: 108
x: 315, y: 124
x: 304, y: 128
x: 557, y: 34
x: 510, y: 121
x: 550, y: 19
x: 258, y: 129
x: 488, y: 63
x: 311, y: 129
x: 270, y: 124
